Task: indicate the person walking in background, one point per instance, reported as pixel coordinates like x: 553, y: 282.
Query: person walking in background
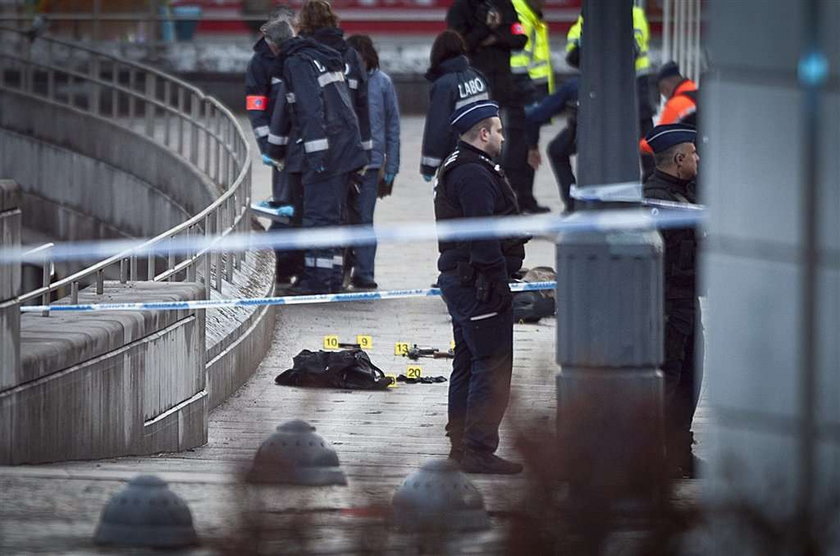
x: 315, y: 132
x: 673, y: 180
x: 263, y: 85
x: 384, y: 157
x: 454, y: 84
x: 533, y: 77
x: 473, y: 280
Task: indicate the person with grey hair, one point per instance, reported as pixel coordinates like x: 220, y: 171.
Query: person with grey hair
x: 314, y: 132
x: 263, y: 85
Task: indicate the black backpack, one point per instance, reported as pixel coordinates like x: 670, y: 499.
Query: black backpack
x: 349, y: 368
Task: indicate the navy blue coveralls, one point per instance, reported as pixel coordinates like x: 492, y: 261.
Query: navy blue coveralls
x: 263, y: 85
x: 314, y: 129
x: 471, y: 185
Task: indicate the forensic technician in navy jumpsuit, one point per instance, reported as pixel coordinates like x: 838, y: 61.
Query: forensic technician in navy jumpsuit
x: 315, y: 132
x: 474, y: 284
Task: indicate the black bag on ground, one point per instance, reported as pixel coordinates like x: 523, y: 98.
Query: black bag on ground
x: 349, y: 368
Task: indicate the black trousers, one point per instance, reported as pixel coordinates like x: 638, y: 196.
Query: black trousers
x: 479, y: 387
x: 683, y: 373
x: 287, y: 188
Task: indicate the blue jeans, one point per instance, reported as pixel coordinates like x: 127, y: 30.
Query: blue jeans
x: 479, y: 387
x: 360, y: 211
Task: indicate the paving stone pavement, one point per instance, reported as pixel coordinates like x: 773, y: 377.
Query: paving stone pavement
x: 380, y: 437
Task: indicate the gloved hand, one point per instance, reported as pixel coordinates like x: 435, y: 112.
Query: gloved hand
x: 428, y: 177
x: 267, y: 160
x: 495, y: 292
x: 385, y: 185
x: 315, y: 161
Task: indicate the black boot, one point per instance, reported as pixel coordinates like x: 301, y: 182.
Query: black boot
x: 491, y: 464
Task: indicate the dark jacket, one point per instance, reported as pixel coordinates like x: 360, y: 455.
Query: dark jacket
x: 680, y: 243
x: 471, y: 185
x: 454, y: 84
x: 263, y: 83
x: 469, y: 17
x: 314, y: 127
x: 354, y: 71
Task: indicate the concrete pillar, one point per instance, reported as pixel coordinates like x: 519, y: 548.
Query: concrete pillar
x: 771, y: 176
x: 10, y: 224
x: 609, y: 287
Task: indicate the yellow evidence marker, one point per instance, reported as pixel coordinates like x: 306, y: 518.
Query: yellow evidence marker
x: 414, y: 371
x: 401, y: 348
x: 365, y: 342
x: 331, y: 342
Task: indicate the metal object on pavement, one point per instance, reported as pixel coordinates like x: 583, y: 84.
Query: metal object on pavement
x: 146, y: 514
x: 295, y: 454
x: 439, y: 497
x: 416, y: 352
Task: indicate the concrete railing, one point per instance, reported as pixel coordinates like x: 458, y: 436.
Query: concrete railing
x: 122, y: 150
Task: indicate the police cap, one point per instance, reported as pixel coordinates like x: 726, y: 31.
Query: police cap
x: 470, y: 114
x: 663, y: 137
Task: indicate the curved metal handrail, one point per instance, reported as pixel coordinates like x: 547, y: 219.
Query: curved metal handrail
x: 172, y: 113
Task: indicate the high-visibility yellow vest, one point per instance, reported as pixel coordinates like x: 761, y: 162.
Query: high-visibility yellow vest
x: 535, y: 58
x: 641, y: 34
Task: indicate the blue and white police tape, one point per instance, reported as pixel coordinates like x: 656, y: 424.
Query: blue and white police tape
x: 253, y: 301
x: 658, y: 216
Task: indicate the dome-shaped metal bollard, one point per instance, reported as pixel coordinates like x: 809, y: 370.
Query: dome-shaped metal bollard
x: 146, y: 514
x: 439, y: 496
x: 296, y: 455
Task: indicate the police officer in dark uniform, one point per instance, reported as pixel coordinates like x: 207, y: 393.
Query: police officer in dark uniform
x: 315, y: 132
x: 673, y: 180
x: 474, y: 283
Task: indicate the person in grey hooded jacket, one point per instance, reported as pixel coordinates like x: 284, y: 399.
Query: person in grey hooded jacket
x: 384, y: 164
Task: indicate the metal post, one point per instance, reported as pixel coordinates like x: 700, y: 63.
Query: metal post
x: 609, y: 287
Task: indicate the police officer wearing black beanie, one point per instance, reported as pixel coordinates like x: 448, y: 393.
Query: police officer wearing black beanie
x: 474, y: 283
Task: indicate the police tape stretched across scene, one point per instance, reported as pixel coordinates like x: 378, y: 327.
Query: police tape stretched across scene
x: 656, y: 216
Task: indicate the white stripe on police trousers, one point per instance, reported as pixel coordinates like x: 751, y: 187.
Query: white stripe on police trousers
x: 430, y: 161
x: 470, y: 100
x: 338, y: 260
x: 318, y: 262
x: 261, y: 131
x: 316, y: 145
x: 331, y: 77
x: 484, y: 316
x: 278, y: 139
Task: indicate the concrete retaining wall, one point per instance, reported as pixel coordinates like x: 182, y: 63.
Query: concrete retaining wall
x: 122, y: 182
x: 102, y: 384
x: 9, y: 286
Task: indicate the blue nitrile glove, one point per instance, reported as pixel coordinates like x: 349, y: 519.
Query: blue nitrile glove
x: 267, y: 160
x: 428, y: 177
x: 389, y: 178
